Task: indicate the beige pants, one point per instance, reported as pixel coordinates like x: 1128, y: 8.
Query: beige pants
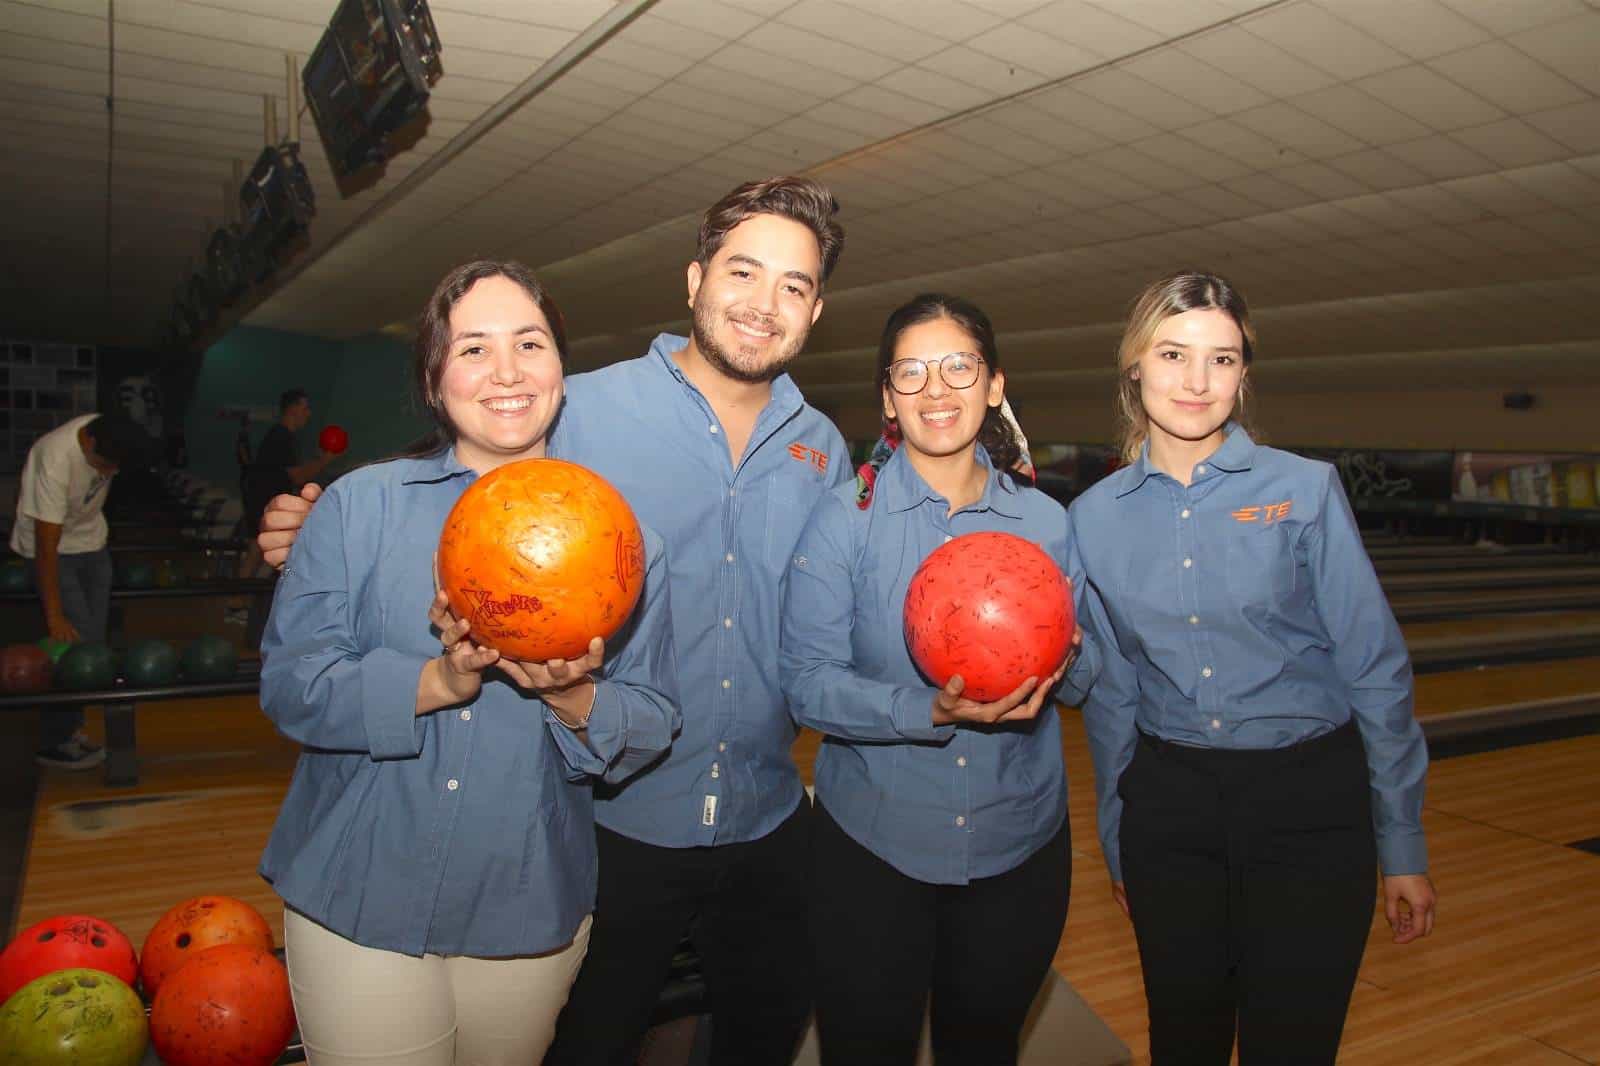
x: 361, y: 1006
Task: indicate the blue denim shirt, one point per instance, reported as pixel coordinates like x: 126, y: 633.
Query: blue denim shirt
x: 1242, y: 612
x: 729, y: 529
x: 467, y: 831
x: 946, y: 803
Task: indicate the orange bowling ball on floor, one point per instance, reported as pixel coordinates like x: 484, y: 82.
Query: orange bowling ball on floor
x: 541, y: 556
x: 193, y: 926
x: 228, y: 1005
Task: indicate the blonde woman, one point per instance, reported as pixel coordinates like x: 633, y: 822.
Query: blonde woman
x: 1255, y: 751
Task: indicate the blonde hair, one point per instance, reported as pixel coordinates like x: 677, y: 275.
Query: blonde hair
x: 1187, y: 290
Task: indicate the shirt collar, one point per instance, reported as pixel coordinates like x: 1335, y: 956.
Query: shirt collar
x: 442, y: 465
x: 901, y: 488
x: 1238, y: 453
x: 785, y: 393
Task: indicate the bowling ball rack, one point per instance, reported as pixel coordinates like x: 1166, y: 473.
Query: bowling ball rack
x: 119, y: 703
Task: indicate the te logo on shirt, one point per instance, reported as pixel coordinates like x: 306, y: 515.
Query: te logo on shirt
x: 817, y: 459
x: 1266, y: 514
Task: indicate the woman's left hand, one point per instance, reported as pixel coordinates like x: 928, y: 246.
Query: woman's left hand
x: 564, y: 684
x: 1416, y: 918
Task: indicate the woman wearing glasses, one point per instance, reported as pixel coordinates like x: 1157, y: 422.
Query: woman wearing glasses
x: 941, y: 847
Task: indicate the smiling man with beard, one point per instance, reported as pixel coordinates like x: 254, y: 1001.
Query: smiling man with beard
x: 714, y: 446
x: 715, y: 449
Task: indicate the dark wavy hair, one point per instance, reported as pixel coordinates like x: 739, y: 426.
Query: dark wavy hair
x: 995, y: 434
x: 431, y: 349
x: 802, y: 200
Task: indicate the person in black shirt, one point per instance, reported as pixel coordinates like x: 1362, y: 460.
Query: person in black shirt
x: 276, y: 467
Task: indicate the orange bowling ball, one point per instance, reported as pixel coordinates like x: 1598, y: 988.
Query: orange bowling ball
x: 193, y: 926
x: 541, y: 556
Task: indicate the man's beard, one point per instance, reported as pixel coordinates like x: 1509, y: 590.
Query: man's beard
x: 705, y: 324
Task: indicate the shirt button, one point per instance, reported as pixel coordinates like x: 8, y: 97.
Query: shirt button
x: 1216, y: 723
x: 960, y: 821
x: 1188, y: 563
x: 452, y: 784
x: 723, y: 746
x: 732, y: 492
x: 1185, y: 513
x: 729, y: 557
x: 1194, y: 619
x: 1200, y: 469
x: 727, y: 623
x: 1206, y: 672
x: 948, y: 539
x: 961, y: 760
x: 716, y: 771
x: 466, y: 716
x: 727, y: 683
x: 712, y: 428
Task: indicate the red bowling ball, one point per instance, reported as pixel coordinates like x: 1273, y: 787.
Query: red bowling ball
x: 65, y: 942
x: 991, y: 607
x: 333, y: 439
x: 228, y: 1005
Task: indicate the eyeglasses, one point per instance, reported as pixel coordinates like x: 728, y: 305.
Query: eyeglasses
x: 958, y: 370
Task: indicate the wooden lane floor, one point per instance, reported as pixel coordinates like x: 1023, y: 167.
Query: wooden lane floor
x: 1510, y: 977
x: 1485, y: 625
x: 1461, y: 691
x: 213, y: 773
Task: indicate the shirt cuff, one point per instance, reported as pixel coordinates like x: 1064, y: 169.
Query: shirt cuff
x: 1403, y: 853
x: 912, y: 713
x: 607, y: 729
x: 389, y: 681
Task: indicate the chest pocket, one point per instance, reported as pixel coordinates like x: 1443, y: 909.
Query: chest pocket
x: 788, y: 506
x: 1261, y: 566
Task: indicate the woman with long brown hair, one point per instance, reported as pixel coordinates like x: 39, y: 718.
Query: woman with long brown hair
x: 1256, y: 756
x: 436, y: 853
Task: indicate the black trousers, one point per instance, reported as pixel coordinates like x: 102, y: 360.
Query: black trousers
x: 745, y: 908
x: 1251, y: 877
x: 885, y: 942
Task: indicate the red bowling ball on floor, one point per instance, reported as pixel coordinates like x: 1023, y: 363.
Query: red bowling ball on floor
x: 66, y: 942
x: 227, y: 1005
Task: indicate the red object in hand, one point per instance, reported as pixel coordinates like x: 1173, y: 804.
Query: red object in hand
x: 991, y: 607
x: 541, y: 556
x: 193, y: 926
x: 333, y: 439
x: 66, y: 942
x: 229, y: 1004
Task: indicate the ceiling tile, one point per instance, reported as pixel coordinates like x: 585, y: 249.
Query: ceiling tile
x: 1361, y: 115
x: 1503, y: 17
x: 1567, y: 47
x: 1430, y: 98
x: 936, y: 88
x: 1093, y: 28
x: 1256, y: 62
x: 1196, y: 81
x: 1310, y: 32
x: 862, y: 29
x: 1151, y: 103
x: 1421, y: 29
x: 1577, y: 125
x: 1015, y: 43
x: 1175, y: 19
x: 1511, y: 142
x: 823, y: 52
x: 1293, y: 128
x: 985, y: 71
x: 1509, y: 78
x: 1101, y: 119
x: 1378, y: 169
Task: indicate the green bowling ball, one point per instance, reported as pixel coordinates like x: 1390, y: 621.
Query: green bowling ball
x: 79, y: 1017
x: 209, y: 658
x: 87, y: 666
x: 136, y: 575
x: 16, y: 575
x: 54, y: 648
x: 151, y: 662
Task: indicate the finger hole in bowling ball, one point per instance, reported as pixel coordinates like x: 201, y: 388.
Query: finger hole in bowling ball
x: 47, y: 936
x: 61, y: 988
x: 85, y: 981
x: 183, y: 940
x: 98, y: 941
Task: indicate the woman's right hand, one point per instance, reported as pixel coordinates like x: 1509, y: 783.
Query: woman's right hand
x: 1024, y: 702
x: 457, y: 675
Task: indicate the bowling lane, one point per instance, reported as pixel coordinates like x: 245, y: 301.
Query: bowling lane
x: 1456, y: 691
x: 1439, y: 605
x: 1504, y: 578
x: 1496, y: 625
